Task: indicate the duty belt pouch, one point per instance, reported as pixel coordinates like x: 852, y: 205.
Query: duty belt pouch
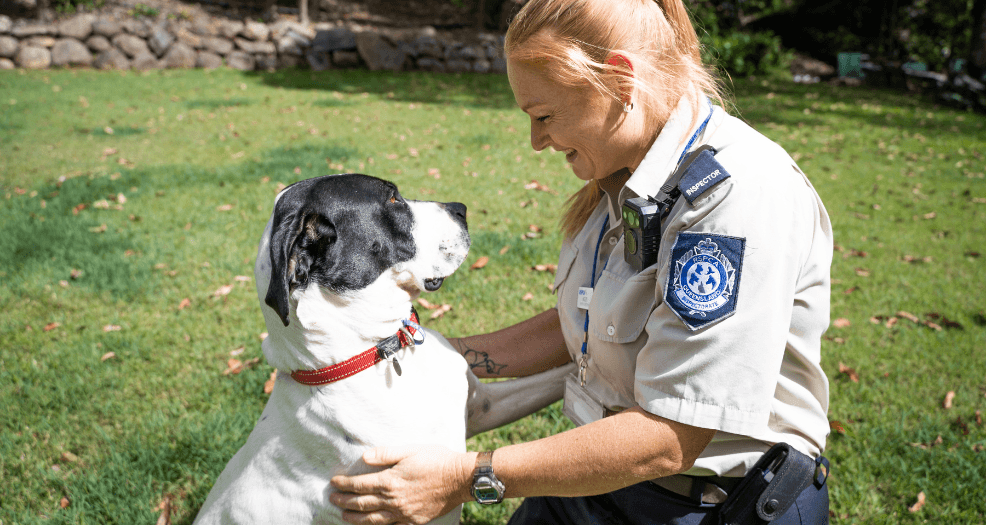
x: 770, y: 487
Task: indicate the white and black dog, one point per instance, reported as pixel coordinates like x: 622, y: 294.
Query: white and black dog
x: 339, y: 264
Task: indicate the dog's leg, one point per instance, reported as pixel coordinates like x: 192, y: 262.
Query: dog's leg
x: 492, y: 405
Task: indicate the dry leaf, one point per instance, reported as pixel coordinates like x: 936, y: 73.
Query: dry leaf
x: 64, y: 503
x: 920, y: 503
x: 242, y: 278
x: 51, y: 326
x: 862, y: 272
x: 836, y: 426
x: 930, y: 215
x: 909, y: 316
x: 235, y: 366
x: 223, y: 290
x: 269, y: 384
x: 527, y: 297
x: 843, y: 369
x: 841, y: 322
x: 112, y: 328
x: 225, y: 207
x: 262, y: 336
x: 185, y: 303
x: 427, y: 304
x: 481, y: 262
x: 99, y: 229
x: 237, y: 351
x: 441, y: 311
x: 108, y: 355
x: 947, y: 403
x: 69, y: 457
x: 504, y: 249
x: 891, y: 322
x: 545, y: 268
x: 165, y: 508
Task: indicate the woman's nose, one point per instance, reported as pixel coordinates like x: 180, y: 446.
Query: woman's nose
x: 539, y: 139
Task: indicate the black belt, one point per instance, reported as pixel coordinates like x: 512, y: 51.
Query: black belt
x: 699, y: 489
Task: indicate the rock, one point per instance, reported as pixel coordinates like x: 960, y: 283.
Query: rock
x: 318, y: 60
x: 255, y: 31
x: 803, y: 65
x: 33, y: 57
x: 287, y: 61
x: 335, y: 39
x: 379, y: 53
x: 431, y: 64
x: 145, y: 60
x: 255, y: 48
x: 6, y: 63
x: 6, y: 24
x: 8, y: 46
x: 266, y: 62
x: 205, y: 26
x: 188, y: 38
x: 481, y: 66
x: 215, y: 44
x: 457, y: 65
x: 78, y: 27
x: 112, y: 58
x: 98, y: 43
x: 106, y: 27
x: 292, y: 44
x: 282, y: 27
x: 136, y: 27
x: 345, y: 59
x: 160, y: 40
x: 240, y: 60
x: 32, y: 29
x: 208, y: 60
x: 40, y: 41
x: 427, y: 46
x: 130, y: 44
x: 230, y: 28
x: 70, y: 52
x: 179, y: 56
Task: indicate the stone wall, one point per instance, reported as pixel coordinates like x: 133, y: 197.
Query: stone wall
x: 203, y: 41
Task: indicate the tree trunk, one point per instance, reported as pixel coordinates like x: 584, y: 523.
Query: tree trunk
x: 977, y: 49
x: 303, y: 11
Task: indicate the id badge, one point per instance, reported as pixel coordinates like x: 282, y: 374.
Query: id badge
x: 579, y: 405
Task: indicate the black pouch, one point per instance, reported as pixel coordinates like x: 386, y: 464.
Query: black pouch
x: 770, y: 488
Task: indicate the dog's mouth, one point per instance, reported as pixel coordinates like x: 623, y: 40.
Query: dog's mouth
x: 434, y: 284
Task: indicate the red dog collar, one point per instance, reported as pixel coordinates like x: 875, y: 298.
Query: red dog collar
x: 385, y: 349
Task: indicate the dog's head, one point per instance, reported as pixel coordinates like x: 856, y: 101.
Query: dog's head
x: 342, y: 232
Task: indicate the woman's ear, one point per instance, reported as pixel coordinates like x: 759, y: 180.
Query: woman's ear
x: 624, y: 67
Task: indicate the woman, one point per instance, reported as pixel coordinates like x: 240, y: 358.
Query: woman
x: 699, y: 362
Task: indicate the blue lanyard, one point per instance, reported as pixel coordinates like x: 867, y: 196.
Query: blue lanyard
x: 584, y: 361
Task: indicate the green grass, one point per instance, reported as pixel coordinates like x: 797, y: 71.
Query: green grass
x: 198, y: 157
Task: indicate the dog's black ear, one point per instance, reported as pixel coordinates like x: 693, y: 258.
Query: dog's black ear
x: 294, y: 242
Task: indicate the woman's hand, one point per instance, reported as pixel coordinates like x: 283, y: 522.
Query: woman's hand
x: 422, y: 483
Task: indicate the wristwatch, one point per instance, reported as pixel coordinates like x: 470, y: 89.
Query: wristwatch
x: 485, y: 487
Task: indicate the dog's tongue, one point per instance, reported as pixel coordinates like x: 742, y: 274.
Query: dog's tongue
x: 433, y: 284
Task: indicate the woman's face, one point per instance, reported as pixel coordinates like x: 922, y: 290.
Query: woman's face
x: 591, y: 128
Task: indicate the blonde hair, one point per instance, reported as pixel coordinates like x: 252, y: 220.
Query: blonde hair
x: 577, y: 36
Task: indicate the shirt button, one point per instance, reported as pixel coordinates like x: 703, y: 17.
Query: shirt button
x: 612, y: 241
x: 610, y: 330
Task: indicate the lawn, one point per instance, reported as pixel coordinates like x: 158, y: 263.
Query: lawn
x: 132, y: 203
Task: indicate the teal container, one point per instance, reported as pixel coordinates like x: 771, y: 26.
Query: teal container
x: 850, y: 65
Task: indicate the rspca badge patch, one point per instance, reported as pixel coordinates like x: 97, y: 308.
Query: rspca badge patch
x: 704, y: 277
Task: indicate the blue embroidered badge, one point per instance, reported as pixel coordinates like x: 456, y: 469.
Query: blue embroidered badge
x: 703, y: 281
x: 701, y: 175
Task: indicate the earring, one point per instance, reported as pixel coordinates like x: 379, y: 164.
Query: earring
x: 628, y: 106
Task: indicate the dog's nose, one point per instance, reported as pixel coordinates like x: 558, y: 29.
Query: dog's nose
x: 457, y: 210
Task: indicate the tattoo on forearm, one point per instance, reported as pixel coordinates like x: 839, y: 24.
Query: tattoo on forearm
x: 477, y: 359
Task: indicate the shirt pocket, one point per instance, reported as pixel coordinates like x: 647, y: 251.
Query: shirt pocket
x: 622, y: 303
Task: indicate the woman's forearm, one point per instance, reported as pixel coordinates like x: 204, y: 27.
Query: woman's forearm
x: 526, y: 348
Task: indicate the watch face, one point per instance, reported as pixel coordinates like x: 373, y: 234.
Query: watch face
x: 485, y: 492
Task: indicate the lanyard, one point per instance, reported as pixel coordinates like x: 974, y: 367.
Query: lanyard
x: 584, y: 359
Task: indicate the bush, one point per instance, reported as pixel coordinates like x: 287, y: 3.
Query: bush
x: 744, y: 54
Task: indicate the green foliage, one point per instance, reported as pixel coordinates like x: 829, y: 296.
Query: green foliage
x: 140, y: 10
x: 727, y: 45
x: 903, y: 182
x: 71, y: 6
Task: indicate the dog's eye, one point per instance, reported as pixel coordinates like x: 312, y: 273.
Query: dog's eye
x: 393, y: 200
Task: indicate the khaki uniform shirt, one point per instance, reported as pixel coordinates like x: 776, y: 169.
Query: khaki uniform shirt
x: 750, y: 368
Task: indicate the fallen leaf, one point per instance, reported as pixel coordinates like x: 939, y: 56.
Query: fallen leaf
x: 427, y: 304
x: 920, y: 503
x: 850, y: 290
x: 841, y: 322
x: 269, y: 384
x: 979, y: 417
x: 235, y: 366
x: 64, y: 503
x: 934, y: 326
x: 972, y: 254
x: 481, y: 262
x: 165, y: 507
x: 75, y: 274
x: 237, y: 351
x: 930, y: 215
x: 262, y: 336
x: 185, y: 303
x: 836, y: 426
x: 545, y: 268
x: 504, y: 249
x: 875, y: 320
x: 112, y: 328
x: 909, y: 316
x: 107, y: 355
x: 891, y: 322
x: 78, y: 208
x: 850, y: 372
x: 69, y: 457
x: 862, y: 272
x: 225, y: 207
x: 99, y: 229
x: 242, y: 278
x: 51, y: 326
x: 947, y: 403
x: 440, y: 311
x: 223, y: 290
x: 527, y: 297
